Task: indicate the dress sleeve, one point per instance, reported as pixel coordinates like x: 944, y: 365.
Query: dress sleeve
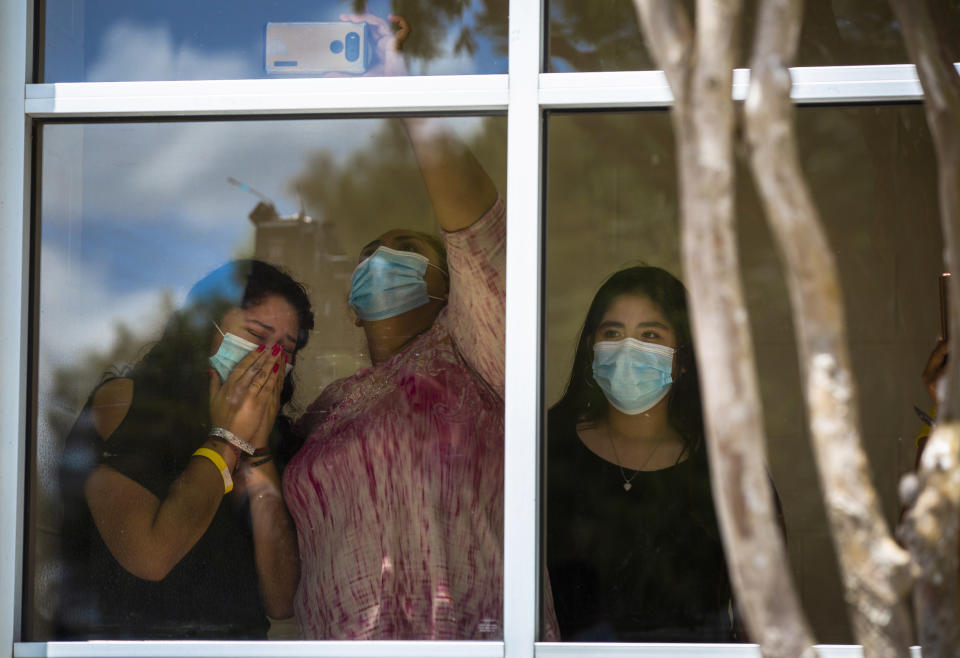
x: 476, y: 257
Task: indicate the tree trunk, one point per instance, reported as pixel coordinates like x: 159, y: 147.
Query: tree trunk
x: 700, y: 72
x: 875, y: 569
x: 933, y: 495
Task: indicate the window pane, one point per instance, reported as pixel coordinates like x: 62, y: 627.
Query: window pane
x: 112, y: 40
x: 604, y: 35
x: 641, y: 562
x: 393, y: 474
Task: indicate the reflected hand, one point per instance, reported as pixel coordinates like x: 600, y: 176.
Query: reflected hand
x: 935, y: 368
x: 248, y: 402
x: 390, y: 61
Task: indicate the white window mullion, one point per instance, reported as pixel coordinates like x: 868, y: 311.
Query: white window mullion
x: 524, y: 162
x: 259, y: 649
x: 812, y: 84
x: 14, y: 245
x: 467, y: 93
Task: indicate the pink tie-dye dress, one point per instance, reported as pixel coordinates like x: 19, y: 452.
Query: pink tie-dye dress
x: 397, y: 493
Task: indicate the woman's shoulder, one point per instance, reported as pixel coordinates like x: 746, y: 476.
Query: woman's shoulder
x: 317, y: 411
x: 110, y: 404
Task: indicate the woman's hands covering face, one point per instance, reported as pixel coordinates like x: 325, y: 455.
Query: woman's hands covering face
x: 248, y: 402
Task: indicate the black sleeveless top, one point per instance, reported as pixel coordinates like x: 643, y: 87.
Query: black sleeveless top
x: 644, y: 565
x: 212, y: 593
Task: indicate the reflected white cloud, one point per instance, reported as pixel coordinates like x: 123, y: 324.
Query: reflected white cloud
x: 130, y: 51
x: 80, y: 309
x: 175, y: 172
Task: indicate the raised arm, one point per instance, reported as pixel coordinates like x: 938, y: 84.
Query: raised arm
x: 459, y: 188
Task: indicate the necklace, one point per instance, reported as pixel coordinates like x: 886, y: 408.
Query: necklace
x: 628, y: 482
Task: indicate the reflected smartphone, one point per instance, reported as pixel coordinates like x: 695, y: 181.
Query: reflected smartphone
x: 944, y: 307
x: 316, y: 48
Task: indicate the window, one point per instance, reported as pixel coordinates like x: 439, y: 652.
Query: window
x: 605, y: 36
x: 133, y: 217
x: 208, y: 80
x: 116, y: 41
x: 612, y: 208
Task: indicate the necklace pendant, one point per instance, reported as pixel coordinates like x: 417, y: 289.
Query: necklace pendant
x: 627, y: 486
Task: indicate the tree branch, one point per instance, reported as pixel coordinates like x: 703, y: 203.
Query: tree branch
x: 933, y: 496
x: 703, y: 119
x: 670, y: 39
x: 875, y: 568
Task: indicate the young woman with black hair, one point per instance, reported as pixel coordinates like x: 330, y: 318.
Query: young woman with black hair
x: 633, y: 547
x: 174, y: 525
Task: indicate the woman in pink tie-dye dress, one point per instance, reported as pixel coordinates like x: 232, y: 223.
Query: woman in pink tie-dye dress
x: 397, y: 492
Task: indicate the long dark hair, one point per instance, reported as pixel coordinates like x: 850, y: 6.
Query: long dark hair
x: 584, y: 401
x: 175, y: 370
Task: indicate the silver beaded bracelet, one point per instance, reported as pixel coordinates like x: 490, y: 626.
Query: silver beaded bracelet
x: 232, y: 439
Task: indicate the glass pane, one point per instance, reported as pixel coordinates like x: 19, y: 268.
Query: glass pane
x: 112, y: 40
x: 603, y: 35
x: 630, y: 538
x: 392, y: 472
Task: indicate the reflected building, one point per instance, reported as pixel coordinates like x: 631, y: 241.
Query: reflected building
x: 310, y: 251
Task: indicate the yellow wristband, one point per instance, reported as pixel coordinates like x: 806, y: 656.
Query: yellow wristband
x: 221, y: 465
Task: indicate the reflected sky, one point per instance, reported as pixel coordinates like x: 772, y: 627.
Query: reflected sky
x: 133, y: 212
x: 113, y: 40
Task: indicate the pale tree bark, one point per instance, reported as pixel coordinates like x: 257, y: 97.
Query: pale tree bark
x: 699, y: 68
x: 875, y: 569
x: 933, y: 494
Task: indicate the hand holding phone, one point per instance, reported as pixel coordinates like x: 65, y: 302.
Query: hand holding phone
x: 944, y: 307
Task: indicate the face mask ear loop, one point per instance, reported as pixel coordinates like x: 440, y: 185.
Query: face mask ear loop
x: 446, y: 276
x: 442, y: 271
x: 219, y: 329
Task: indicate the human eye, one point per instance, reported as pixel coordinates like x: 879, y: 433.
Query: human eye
x: 651, y: 335
x: 611, y: 334
x: 409, y: 245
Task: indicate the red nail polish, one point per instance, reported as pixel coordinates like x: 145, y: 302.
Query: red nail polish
x: 276, y: 367
x: 261, y: 348
x: 276, y: 350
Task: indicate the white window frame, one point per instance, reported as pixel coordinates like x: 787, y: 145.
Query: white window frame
x: 524, y: 94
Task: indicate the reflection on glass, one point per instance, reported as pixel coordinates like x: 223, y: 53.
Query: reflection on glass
x: 110, y: 40
x: 604, y: 35
x: 394, y: 476
x: 873, y: 176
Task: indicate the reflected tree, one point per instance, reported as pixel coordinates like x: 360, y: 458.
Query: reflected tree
x: 603, y: 36
x: 379, y: 187
x: 478, y: 20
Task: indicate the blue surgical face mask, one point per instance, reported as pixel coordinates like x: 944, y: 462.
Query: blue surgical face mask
x: 389, y: 283
x: 232, y: 351
x: 633, y: 375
